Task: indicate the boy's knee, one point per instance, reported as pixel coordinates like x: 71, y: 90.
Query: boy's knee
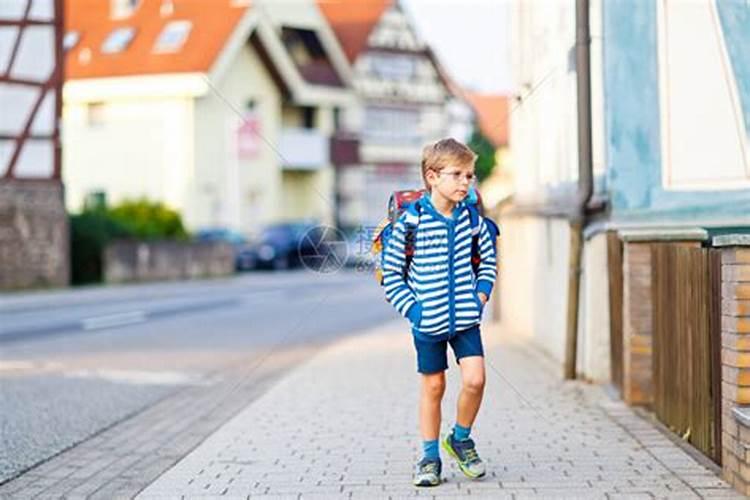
x: 474, y: 383
x: 434, y: 386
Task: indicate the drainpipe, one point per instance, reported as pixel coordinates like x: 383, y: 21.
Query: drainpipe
x: 585, y: 183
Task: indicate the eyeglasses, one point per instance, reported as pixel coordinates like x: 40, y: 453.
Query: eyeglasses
x: 457, y: 176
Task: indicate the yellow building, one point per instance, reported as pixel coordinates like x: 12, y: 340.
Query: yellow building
x: 223, y: 113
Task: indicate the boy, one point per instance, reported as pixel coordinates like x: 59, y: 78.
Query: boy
x: 443, y: 298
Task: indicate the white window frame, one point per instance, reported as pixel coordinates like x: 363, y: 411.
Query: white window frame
x: 667, y: 175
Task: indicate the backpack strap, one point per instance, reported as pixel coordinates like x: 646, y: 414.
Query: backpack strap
x: 493, y: 229
x: 411, y: 220
x: 474, y: 219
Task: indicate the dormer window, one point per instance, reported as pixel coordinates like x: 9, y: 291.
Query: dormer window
x: 308, y: 54
x: 70, y: 40
x: 173, y: 36
x: 118, y: 40
x: 122, y: 9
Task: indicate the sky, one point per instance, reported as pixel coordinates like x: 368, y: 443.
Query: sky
x: 470, y: 37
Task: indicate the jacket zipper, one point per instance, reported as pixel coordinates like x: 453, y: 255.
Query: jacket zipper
x: 451, y: 284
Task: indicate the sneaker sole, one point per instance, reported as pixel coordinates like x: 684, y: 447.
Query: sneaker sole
x: 448, y: 449
x: 426, y: 483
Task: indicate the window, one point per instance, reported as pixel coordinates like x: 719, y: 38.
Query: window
x: 118, y: 40
x: 303, y: 45
x: 70, y: 40
x: 393, y: 66
x: 120, y: 9
x: 95, y: 114
x: 309, y: 56
x: 167, y: 8
x: 95, y: 200
x: 298, y: 116
x: 173, y: 36
x: 704, y: 143
x: 392, y: 125
x: 336, y: 118
x: 308, y: 117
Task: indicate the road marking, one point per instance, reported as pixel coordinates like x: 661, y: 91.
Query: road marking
x: 15, y: 365
x: 36, y: 366
x: 272, y: 295
x: 138, y: 377
x: 112, y: 320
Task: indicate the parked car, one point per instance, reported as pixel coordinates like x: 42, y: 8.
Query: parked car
x: 287, y: 245
x: 237, y: 240
x: 358, y: 253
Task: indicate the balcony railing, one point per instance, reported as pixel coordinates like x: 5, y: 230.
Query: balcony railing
x: 303, y: 149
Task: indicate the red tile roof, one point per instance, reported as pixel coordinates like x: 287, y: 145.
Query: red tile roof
x: 492, y: 114
x: 353, y: 21
x: 213, y: 21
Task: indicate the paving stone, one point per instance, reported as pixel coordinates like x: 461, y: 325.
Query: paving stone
x: 524, y: 455
x: 344, y: 425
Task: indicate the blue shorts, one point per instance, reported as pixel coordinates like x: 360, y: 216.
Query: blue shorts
x: 432, y: 357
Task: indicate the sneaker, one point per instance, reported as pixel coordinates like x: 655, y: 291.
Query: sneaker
x: 466, y: 456
x: 427, y: 472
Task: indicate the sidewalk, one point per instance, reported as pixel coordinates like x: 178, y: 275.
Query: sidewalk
x: 344, y: 425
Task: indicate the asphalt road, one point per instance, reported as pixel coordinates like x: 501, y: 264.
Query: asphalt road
x: 74, y: 362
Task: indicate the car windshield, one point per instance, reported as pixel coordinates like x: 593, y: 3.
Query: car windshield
x: 285, y: 232
x: 282, y: 231
x: 220, y: 235
x: 276, y: 232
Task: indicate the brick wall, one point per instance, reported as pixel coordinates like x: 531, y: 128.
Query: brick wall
x: 34, y: 239
x: 637, y: 387
x: 735, y: 357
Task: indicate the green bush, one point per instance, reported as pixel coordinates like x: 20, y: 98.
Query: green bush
x: 94, y: 228
x: 149, y: 220
x: 90, y: 232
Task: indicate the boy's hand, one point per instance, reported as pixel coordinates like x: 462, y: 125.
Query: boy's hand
x: 482, y: 297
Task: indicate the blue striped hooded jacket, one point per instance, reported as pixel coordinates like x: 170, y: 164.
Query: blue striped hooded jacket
x: 439, y: 295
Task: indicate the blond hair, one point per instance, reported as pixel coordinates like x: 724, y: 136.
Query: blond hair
x: 443, y: 153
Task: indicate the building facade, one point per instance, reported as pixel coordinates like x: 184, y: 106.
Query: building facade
x: 543, y: 123
x: 662, y: 306
x: 33, y: 224
x: 225, y: 114
x: 403, y: 105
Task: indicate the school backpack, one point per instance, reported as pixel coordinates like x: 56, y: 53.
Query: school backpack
x: 401, y: 201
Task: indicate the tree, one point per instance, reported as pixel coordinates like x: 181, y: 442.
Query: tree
x: 485, y: 152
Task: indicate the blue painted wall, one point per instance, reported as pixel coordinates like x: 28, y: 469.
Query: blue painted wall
x: 631, y: 106
x: 631, y: 102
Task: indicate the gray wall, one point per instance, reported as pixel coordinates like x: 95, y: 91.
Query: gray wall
x: 34, y: 238
x: 128, y: 261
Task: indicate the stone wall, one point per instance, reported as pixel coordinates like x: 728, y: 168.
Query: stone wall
x: 132, y: 261
x: 34, y: 235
